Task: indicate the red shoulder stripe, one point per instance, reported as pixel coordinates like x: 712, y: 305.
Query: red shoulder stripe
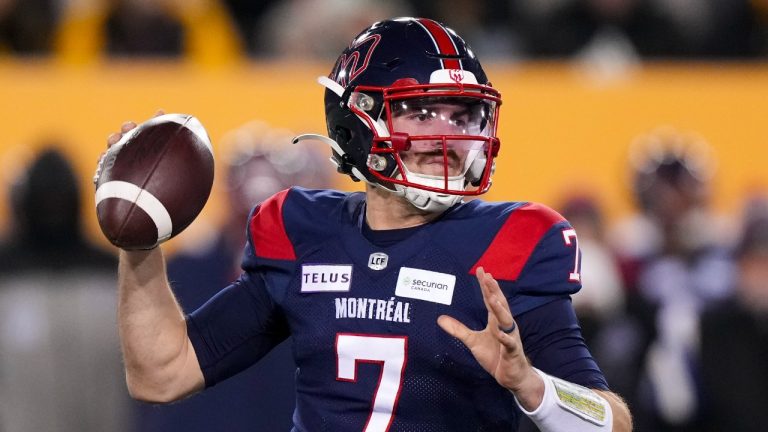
x: 510, y: 249
x: 268, y: 234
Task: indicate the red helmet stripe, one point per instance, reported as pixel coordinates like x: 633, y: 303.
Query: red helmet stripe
x: 443, y: 42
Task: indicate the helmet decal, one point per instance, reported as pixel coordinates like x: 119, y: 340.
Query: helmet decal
x: 347, y: 68
x: 457, y: 75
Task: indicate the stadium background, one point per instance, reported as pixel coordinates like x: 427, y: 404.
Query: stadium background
x: 566, y: 123
x: 561, y: 130
x: 568, y: 126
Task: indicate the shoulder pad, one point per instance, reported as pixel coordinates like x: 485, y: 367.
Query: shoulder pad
x: 266, y: 230
x: 511, y: 248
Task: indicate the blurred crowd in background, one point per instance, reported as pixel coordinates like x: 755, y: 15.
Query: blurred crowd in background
x: 675, y: 298
x: 499, y: 29
x: 674, y: 302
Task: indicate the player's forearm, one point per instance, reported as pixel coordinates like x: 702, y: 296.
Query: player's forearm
x: 565, y: 406
x: 153, y: 333
x: 622, y: 418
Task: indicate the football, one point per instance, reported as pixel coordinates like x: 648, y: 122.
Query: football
x: 154, y: 182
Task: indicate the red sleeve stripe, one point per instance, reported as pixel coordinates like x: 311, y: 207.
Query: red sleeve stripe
x: 514, y: 243
x: 268, y: 235
x: 443, y: 42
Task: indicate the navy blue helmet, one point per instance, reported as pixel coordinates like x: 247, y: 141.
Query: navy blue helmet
x: 409, y: 109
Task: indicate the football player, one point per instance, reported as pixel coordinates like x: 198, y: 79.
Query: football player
x: 410, y: 309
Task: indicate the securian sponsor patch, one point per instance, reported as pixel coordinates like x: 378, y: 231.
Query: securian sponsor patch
x: 425, y: 285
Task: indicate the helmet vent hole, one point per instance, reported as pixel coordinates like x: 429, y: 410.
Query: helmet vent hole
x: 393, y: 64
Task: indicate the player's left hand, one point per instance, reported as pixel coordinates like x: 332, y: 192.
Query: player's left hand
x: 498, y: 349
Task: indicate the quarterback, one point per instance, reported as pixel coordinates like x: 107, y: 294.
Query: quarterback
x: 410, y: 308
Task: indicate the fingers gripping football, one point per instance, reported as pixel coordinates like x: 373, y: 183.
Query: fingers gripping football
x: 153, y: 180
x: 115, y: 137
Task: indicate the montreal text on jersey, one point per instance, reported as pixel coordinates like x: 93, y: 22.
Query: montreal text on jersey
x: 368, y: 308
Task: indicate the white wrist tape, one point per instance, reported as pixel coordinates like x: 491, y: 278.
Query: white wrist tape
x: 568, y: 407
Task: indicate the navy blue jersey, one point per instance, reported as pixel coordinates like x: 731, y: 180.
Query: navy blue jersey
x: 363, y: 314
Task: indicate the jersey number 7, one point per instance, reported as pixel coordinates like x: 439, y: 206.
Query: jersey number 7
x: 569, y: 236
x: 390, y: 353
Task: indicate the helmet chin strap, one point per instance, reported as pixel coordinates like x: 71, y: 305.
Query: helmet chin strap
x: 434, y: 201
x: 427, y: 200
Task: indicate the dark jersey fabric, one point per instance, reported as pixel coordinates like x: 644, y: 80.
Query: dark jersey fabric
x: 368, y: 358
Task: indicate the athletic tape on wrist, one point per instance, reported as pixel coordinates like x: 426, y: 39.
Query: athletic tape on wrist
x: 568, y: 407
